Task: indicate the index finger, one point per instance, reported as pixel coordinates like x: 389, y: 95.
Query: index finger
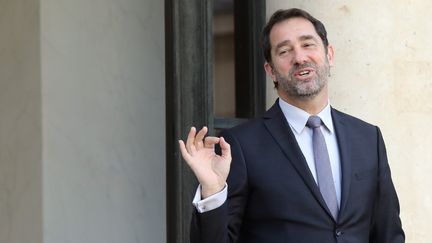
x: 209, y: 142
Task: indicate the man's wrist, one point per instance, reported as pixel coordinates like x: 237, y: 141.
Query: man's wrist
x: 207, y: 191
x: 211, y: 202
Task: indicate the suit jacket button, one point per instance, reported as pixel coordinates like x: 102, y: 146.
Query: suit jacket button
x: 338, y: 232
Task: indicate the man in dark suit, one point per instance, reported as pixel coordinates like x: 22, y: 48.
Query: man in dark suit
x: 302, y: 173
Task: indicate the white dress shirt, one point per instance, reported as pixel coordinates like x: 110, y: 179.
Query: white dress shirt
x: 297, y: 119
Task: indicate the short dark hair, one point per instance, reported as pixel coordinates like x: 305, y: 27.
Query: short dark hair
x: 282, y: 15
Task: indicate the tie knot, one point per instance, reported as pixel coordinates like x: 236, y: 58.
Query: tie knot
x: 314, y: 122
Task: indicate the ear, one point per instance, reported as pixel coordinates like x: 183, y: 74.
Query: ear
x: 269, y: 70
x: 330, y: 54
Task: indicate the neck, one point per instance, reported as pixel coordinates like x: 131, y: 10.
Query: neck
x: 312, y: 105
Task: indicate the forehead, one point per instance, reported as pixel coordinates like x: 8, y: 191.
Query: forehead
x: 292, y: 30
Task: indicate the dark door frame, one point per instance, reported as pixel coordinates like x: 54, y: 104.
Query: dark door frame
x: 189, y: 90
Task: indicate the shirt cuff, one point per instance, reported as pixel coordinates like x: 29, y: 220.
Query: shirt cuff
x: 212, y: 202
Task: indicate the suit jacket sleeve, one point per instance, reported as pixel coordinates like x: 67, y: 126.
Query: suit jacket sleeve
x: 223, y: 224
x: 386, y: 225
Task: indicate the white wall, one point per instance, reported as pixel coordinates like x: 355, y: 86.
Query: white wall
x: 382, y: 73
x: 103, y: 102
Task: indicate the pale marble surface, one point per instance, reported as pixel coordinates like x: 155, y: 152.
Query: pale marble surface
x: 82, y: 125
x: 103, y: 121
x: 383, y: 74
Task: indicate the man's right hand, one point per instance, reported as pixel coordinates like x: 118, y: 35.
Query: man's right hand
x: 210, y: 169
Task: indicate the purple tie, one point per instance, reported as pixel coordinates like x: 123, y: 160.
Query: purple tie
x: 322, y: 165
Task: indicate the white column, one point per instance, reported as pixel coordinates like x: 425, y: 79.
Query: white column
x: 103, y: 120
x: 82, y: 121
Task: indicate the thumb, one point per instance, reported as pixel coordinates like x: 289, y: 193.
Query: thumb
x: 225, y: 148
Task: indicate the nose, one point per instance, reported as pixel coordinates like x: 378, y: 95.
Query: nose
x: 300, y: 57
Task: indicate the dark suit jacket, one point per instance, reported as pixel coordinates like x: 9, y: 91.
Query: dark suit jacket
x: 272, y: 196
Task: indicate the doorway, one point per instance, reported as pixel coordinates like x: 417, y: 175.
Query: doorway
x: 192, y: 95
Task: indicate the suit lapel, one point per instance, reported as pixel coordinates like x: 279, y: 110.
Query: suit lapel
x: 344, y: 151
x: 278, y: 127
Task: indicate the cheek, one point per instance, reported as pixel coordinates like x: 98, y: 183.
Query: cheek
x: 284, y: 69
x: 321, y: 59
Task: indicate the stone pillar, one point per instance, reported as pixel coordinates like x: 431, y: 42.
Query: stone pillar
x: 82, y: 121
x: 104, y: 120
x: 20, y: 123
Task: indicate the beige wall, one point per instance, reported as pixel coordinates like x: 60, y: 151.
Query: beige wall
x: 20, y: 123
x: 383, y: 74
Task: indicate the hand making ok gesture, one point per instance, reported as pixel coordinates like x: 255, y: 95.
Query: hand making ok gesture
x: 210, y: 168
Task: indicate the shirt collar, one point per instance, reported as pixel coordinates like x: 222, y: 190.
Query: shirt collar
x: 297, y: 117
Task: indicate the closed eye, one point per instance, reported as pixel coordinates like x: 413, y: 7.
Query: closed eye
x: 284, y: 52
x: 308, y: 45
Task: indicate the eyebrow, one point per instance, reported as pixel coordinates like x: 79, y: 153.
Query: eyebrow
x: 281, y: 44
x: 308, y: 37
x: 302, y: 38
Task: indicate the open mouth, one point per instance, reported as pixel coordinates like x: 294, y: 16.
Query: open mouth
x: 304, y: 73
